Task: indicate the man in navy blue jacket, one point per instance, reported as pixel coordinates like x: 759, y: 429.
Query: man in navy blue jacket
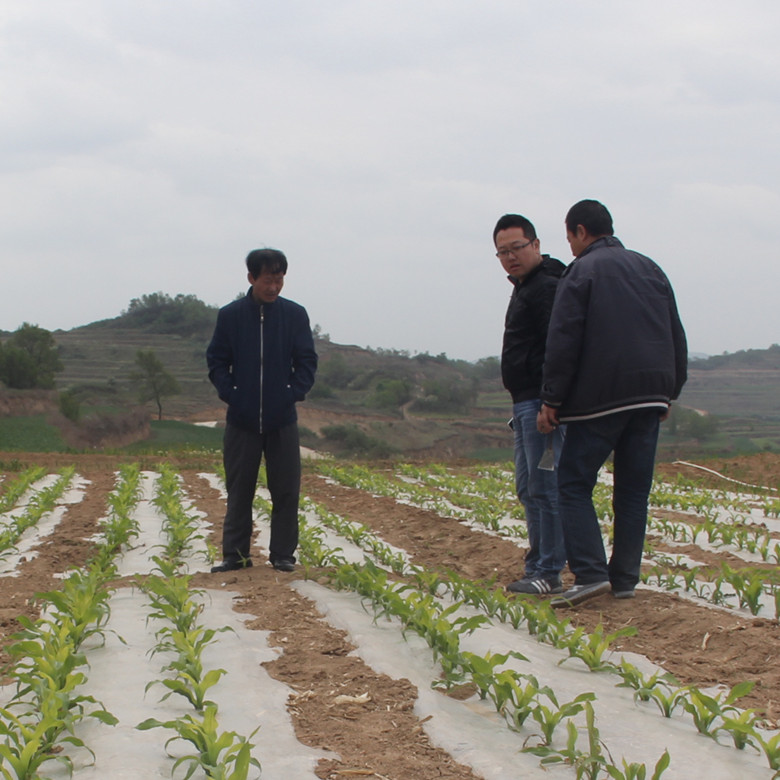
x: 616, y: 357
x: 261, y: 360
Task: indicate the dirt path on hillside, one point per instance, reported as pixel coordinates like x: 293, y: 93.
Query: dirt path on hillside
x: 381, y: 737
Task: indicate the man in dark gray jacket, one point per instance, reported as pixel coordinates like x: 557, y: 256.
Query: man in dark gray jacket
x: 534, y: 277
x: 262, y: 361
x: 616, y: 357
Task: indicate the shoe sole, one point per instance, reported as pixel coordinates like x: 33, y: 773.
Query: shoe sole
x: 623, y: 594
x: 581, y: 596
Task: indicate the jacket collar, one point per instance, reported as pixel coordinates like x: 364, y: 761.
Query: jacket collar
x: 250, y: 299
x: 600, y: 242
x: 530, y: 275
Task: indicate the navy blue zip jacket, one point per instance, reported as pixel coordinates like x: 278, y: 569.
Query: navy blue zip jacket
x: 261, y: 360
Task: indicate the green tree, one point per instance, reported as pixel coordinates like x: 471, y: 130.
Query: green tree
x: 157, y: 312
x: 390, y: 394
x: 335, y: 371
x: 153, y: 381
x: 441, y: 395
x: 29, y: 359
x: 70, y: 405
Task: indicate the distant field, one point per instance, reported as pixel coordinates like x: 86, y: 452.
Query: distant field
x: 727, y: 392
x: 173, y: 435
x: 30, y: 434
x: 35, y: 434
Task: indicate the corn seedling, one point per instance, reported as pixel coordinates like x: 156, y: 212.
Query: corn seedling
x: 633, y: 771
x: 515, y: 696
x: 15, y: 489
x: 771, y: 749
x: 587, y: 764
x: 190, y: 681
x: 740, y: 726
x: 221, y: 756
x: 590, y: 648
x: 481, y: 671
x: 707, y: 711
x: 549, y: 718
x: 180, y: 528
x: 595, y: 762
x: 38, y: 504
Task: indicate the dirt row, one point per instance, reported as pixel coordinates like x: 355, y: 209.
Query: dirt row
x: 383, y: 738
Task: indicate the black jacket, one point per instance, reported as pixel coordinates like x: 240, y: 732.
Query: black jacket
x: 615, y: 340
x: 261, y: 359
x: 525, y: 329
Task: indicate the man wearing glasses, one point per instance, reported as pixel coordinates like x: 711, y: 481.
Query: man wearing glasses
x: 534, y: 277
x: 616, y: 358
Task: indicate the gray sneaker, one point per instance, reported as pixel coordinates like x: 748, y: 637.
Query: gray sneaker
x: 624, y: 594
x: 579, y: 593
x: 536, y: 586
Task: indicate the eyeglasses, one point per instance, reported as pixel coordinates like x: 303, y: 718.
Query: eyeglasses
x: 512, y: 251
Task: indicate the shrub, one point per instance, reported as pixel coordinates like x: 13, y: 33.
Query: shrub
x: 70, y: 406
x: 350, y: 439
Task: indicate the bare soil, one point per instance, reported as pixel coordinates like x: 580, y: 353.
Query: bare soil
x: 383, y: 738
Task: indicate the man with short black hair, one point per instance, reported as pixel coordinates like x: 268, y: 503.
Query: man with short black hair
x: 616, y: 357
x: 534, y: 277
x: 261, y: 360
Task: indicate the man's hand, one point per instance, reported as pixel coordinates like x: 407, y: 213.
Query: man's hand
x: 547, y: 419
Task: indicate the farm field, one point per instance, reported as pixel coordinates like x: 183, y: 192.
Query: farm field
x: 324, y: 646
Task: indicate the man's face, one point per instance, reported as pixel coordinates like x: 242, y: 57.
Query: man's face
x: 517, y: 254
x: 267, y: 286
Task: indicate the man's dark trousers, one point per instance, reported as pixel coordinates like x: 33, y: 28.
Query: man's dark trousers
x: 633, y: 436
x: 242, y: 455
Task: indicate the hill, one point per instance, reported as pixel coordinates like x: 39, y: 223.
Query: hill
x: 373, y: 402
x: 380, y: 402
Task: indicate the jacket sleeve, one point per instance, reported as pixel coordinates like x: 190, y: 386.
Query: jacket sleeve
x: 304, y: 359
x: 680, y: 347
x: 564, y: 338
x: 219, y: 358
x: 544, y: 303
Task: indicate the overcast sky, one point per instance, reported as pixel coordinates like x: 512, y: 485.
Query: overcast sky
x: 149, y: 145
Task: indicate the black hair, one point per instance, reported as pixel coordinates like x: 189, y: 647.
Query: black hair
x: 515, y: 220
x: 271, y: 260
x: 593, y: 216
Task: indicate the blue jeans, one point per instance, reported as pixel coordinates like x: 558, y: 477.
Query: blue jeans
x: 537, y: 490
x: 633, y: 436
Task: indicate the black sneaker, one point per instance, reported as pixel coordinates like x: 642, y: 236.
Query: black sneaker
x: 536, y: 586
x: 232, y: 564
x: 283, y: 564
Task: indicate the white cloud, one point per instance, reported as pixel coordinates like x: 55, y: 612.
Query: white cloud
x: 149, y: 146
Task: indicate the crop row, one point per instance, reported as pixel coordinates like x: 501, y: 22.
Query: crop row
x: 219, y: 754
x: 48, y: 660
x: 454, y: 491
x: 518, y: 696
x: 38, y: 504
